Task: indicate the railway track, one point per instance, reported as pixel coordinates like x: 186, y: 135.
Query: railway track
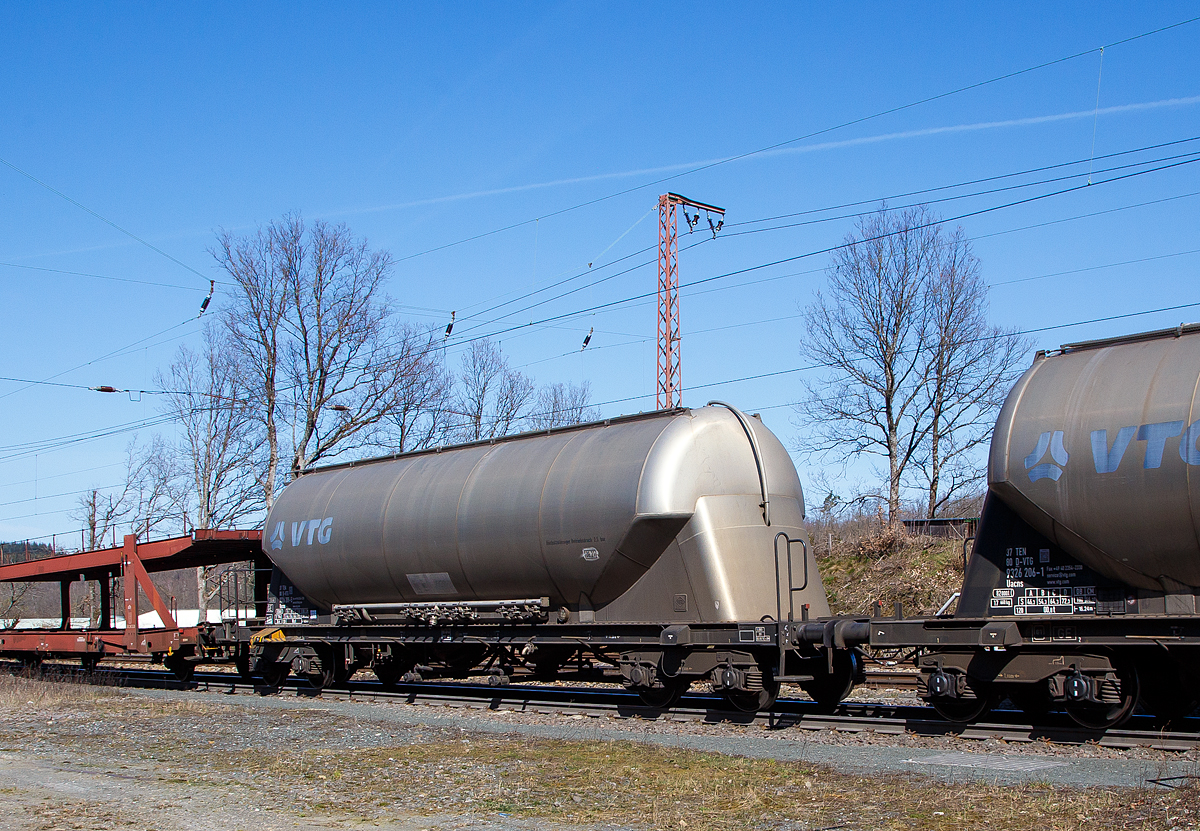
x: 788, y: 713
x: 880, y: 678
x: 890, y: 678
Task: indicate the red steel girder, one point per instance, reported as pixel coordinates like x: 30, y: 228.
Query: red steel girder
x: 670, y: 384
x: 669, y: 388
x: 131, y: 566
x: 202, y: 547
x: 64, y: 642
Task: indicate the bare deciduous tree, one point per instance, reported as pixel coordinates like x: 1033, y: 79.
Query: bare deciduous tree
x: 220, y: 449
x: 913, y: 371
x: 871, y: 330
x: 328, y: 364
x: 559, y: 405
x: 326, y: 353
x: 339, y: 354
x: 492, y: 397
x: 254, y: 322
x: 971, y: 366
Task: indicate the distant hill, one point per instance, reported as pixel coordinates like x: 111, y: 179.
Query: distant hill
x: 19, y: 552
x: 41, y: 600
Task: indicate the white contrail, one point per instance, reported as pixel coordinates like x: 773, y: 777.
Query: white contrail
x: 805, y: 148
x: 987, y: 125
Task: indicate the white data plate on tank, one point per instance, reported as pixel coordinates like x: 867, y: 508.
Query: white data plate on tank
x: 437, y: 582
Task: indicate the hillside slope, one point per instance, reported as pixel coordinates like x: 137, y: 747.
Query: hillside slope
x: 887, y: 565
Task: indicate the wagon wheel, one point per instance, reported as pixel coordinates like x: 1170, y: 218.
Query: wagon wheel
x: 87, y: 664
x: 322, y: 677
x: 966, y: 710
x: 666, y: 696
x: 181, y: 668
x: 244, y: 671
x: 343, y: 673
x: 32, y: 664
x: 1105, y: 716
x: 390, y: 672
x: 273, y: 673
x: 829, y: 690
x: 339, y: 672
x: 753, y: 702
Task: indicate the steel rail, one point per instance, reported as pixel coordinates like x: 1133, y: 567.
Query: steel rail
x: 895, y: 679
x: 849, y: 717
x: 887, y: 678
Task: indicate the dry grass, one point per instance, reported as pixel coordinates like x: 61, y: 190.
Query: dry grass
x: 885, y: 564
x: 20, y: 693
x: 322, y: 765
x: 620, y: 782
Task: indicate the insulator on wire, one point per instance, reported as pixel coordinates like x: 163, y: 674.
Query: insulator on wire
x: 450, y: 328
x: 587, y: 339
x: 212, y: 285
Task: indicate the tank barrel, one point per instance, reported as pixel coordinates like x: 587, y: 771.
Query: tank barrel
x: 1095, y: 449
x: 583, y: 516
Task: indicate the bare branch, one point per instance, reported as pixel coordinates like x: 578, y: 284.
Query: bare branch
x: 870, y: 331
x: 492, y: 397
x: 915, y: 371
x: 559, y: 405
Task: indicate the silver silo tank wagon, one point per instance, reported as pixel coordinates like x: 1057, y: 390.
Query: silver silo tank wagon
x: 661, y: 517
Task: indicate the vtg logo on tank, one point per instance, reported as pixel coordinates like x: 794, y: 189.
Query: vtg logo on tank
x: 1050, y: 456
x: 302, y: 533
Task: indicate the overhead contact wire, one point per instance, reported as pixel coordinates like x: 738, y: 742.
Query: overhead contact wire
x: 501, y: 318
x: 108, y: 222
x: 840, y: 246
x: 814, y: 134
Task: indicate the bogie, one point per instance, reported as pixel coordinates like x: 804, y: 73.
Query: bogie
x: 828, y: 688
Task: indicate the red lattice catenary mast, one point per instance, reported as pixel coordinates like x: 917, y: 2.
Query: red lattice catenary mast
x: 670, y: 384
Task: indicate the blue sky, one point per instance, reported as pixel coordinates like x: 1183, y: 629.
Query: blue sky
x: 422, y: 126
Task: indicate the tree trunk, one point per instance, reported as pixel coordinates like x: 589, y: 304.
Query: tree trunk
x: 272, y: 449
x: 935, y: 462
x: 893, y: 476
x: 201, y: 595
